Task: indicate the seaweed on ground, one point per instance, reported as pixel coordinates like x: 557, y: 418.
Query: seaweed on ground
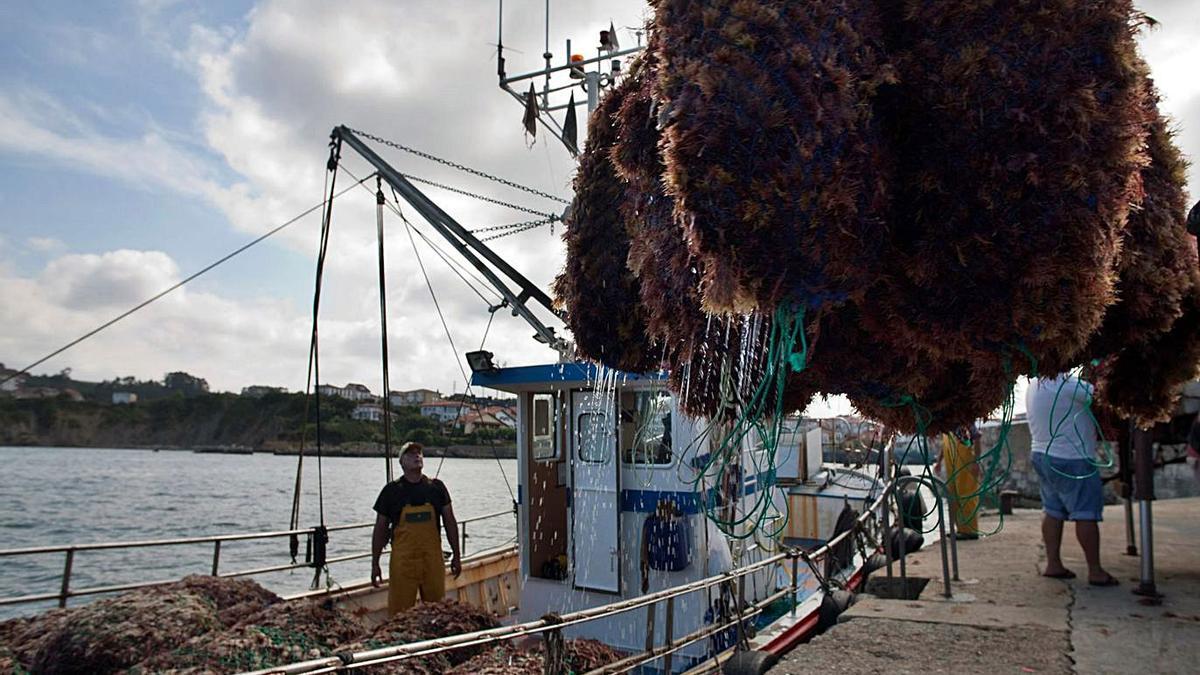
x: 1019, y: 130
x: 581, y: 656
x: 772, y: 154
x: 596, y: 288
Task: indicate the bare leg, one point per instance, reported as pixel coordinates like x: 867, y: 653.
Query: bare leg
x: 1088, y: 534
x: 1052, y: 531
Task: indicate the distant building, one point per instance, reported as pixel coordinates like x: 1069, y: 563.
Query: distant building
x: 72, y: 395
x: 358, y: 392
x: 475, y: 421
x: 258, y: 390
x: 37, y: 392
x: 414, y: 397
x: 368, y: 412
x: 504, y: 414
x: 352, y: 392
x: 12, y: 385
x: 124, y: 398
x: 444, y: 411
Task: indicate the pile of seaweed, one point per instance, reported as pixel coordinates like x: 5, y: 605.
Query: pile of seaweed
x: 923, y: 199
x: 213, y: 625
x: 579, y: 656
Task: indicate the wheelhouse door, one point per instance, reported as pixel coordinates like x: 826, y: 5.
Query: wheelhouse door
x: 596, y: 501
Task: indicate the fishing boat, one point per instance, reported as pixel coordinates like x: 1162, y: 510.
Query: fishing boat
x: 677, y: 541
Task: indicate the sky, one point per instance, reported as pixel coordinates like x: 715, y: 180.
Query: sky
x: 141, y: 140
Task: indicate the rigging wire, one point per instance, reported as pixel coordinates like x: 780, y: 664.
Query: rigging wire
x: 176, y: 286
x: 455, y: 267
x: 453, y: 348
x: 460, y: 167
x: 387, y: 389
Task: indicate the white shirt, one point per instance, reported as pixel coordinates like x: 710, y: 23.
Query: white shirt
x: 1059, y: 421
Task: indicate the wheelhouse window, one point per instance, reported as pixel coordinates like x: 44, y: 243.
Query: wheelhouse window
x: 646, y: 428
x: 595, y: 444
x: 544, y: 440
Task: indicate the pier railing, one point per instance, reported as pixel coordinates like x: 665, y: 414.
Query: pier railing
x: 550, y: 627
x: 70, y: 552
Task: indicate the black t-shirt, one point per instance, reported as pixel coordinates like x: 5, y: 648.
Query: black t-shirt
x: 401, y: 492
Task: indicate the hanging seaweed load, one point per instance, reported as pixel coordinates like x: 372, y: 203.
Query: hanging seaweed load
x: 1158, y: 257
x: 1142, y: 381
x: 771, y: 152
x: 1019, y: 132
x: 596, y: 288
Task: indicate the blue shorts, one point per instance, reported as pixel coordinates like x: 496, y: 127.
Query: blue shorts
x: 1071, y: 488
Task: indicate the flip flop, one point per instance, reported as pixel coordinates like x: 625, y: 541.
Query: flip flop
x: 1110, y: 581
x: 1065, y: 574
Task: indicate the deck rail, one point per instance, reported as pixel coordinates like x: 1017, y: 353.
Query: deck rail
x: 550, y: 627
x: 71, y: 550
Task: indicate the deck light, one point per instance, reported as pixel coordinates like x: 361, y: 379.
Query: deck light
x: 481, y: 362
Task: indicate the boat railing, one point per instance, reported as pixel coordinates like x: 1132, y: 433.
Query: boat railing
x: 550, y: 626
x: 71, y: 550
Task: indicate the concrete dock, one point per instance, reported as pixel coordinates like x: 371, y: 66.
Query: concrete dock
x: 1004, y: 617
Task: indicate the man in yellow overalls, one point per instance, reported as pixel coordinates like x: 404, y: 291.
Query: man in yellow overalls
x: 409, y: 510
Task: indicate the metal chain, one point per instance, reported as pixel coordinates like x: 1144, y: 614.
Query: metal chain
x: 533, y: 224
x: 485, y: 198
x: 461, y: 167
x: 530, y: 223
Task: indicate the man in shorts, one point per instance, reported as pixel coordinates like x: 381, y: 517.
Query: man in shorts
x: 1064, y: 456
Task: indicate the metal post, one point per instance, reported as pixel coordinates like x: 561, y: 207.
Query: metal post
x: 463, y: 525
x: 650, y: 626
x: 1144, y: 488
x: 887, y: 510
x: 900, y: 539
x: 1130, y: 543
x: 945, y: 561
x: 592, y: 79
x: 954, y: 537
x: 216, y: 556
x: 1125, y: 471
x: 670, y: 641
x: 795, y: 582
x: 66, y: 578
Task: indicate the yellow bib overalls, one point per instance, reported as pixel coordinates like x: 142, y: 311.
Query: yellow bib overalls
x: 416, y: 559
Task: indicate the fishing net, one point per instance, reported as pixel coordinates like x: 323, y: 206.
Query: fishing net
x: 771, y: 153
x: 1158, y: 257
x: 1018, y: 131
x: 596, y: 288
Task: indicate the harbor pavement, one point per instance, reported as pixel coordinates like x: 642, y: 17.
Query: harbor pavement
x: 1004, y: 617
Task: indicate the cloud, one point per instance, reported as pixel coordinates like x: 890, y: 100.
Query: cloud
x: 44, y: 244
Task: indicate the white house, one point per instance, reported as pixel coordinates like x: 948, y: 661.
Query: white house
x: 124, y: 398
x: 445, y: 411
x: 352, y: 391
x: 414, y: 397
x: 13, y: 384
x: 368, y: 412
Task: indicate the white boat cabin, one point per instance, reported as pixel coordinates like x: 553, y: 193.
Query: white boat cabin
x: 613, y: 501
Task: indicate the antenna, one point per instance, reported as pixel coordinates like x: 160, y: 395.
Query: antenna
x: 544, y: 108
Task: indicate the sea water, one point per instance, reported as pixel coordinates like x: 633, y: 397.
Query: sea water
x: 58, y: 496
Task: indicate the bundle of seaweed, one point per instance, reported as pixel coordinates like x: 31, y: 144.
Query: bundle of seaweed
x: 1019, y: 128
x: 596, y: 288
x: 903, y: 388
x: 1158, y: 257
x: 1142, y: 381
x: 426, y: 621
x: 580, y: 656
x: 280, y: 634
x: 772, y: 156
